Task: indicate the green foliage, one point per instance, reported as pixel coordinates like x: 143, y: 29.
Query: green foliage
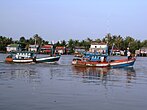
x: 118, y: 41
x: 4, y: 41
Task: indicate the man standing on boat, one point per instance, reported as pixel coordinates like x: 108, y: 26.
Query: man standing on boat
x: 128, y: 54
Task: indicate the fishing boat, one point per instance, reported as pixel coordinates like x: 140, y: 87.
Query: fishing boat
x: 29, y: 57
x: 99, y: 58
x: 96, y: 60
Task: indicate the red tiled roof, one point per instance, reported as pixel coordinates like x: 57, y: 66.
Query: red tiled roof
x: 47, y: 46
x: 96, y: 43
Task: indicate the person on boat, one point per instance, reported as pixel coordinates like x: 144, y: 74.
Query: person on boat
x: 129, y: 55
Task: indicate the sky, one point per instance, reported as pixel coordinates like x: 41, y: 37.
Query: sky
x: 73, y: 19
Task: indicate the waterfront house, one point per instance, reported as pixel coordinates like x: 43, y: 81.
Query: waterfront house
x: 143, y: 51
x: 137, y: 52
x: 101, y: 48
x: 33, y: 48
x: 68, y: 50
x: 13, y: 47
x: 116, y: 51
x: 48, y: 49
x: 60, y: 50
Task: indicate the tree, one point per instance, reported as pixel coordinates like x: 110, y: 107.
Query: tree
x: 38, y: 39
x: 89, y: 40
x: 128, y: 42
x: 144, y: 43
x: 98, y: 40
x: 22, y: 40
x: 31, y: 41
x: 71, y: 45
x: 4, y: 41
x: 63, y: 43
x: 118, y: 42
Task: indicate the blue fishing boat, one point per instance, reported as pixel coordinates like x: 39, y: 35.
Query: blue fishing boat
x: 95, y: 59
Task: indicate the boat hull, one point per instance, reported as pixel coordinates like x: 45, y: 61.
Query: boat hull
x: 90, y: 64
x: 122, y: 63
x: 22, y: 60
x: 47, y: 59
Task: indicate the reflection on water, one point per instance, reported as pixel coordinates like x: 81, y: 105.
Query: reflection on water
x: 16, y: 73
x: 131, y: 74
x: 93, y: 74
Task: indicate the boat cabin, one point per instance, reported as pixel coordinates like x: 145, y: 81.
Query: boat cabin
x: 24, y: 55
x: 96, y: 57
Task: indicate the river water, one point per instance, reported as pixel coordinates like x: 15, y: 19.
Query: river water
x: 64, y: 87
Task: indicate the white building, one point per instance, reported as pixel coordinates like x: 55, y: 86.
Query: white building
x: 99, y: 47
x: 13, y: 47
x: 33, y: 48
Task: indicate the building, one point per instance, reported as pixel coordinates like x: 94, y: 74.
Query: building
x: 141, y: 52
x: 13, y: 48
x: 33, y: 48
x: 137, y: 52
x: 79, y: 49
x: 60, y: 50
x: 68, y: 50
x: 115, y: 51
x: 48, y: 49
x: 101, y: 48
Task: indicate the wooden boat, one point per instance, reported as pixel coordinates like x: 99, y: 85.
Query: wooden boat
x: 49, y: 59
x: 101, y: 60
